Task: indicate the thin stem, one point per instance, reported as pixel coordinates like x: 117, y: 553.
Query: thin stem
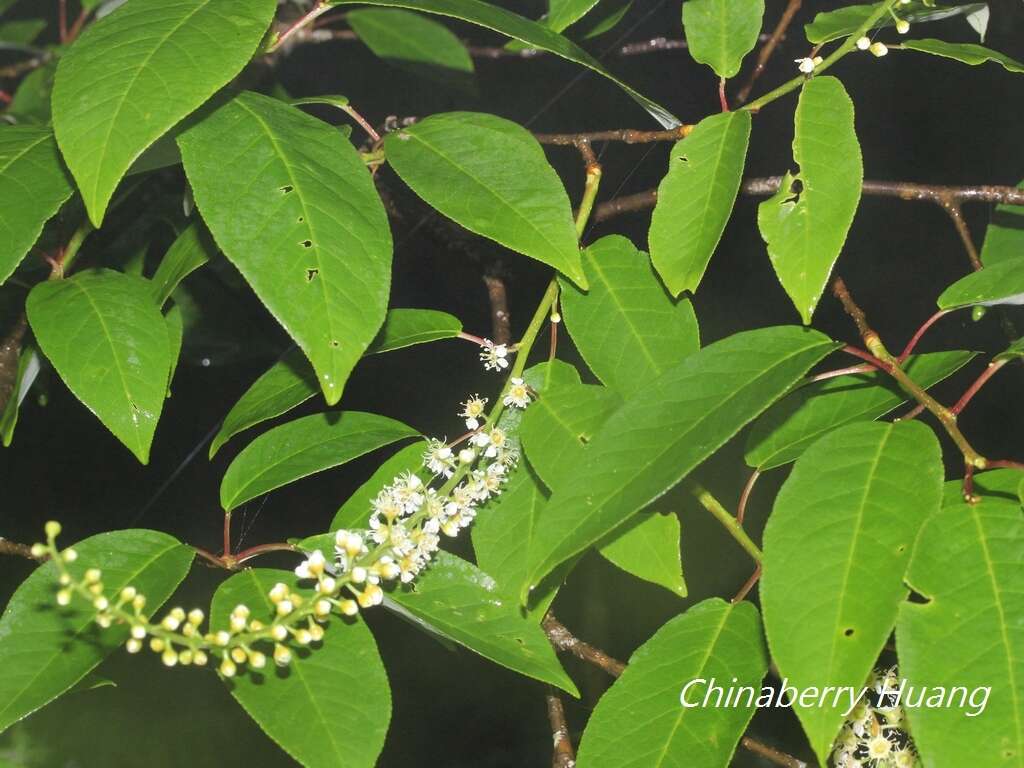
x: 771, y: 754
x: 625, y: 135
x: 972, y: 458
x: 990, y: 370
x: 723, y: 100
x: 903, y: 190
x: 564, y: 640
x: 769, y: 48
x: 319, y: 9
x: 13, y: 548
x: 748, y: 489
x: 227, y: 536
x: 590, y: 187
x: 470, y: 338
x: 501, y: 320
x: 349, y: 110
x: 873, y: 361
x: 747, y: 585
x: 847, y: 45
x: 714, y: 506
x: 919, y: 333
x: 62, y: 20
x: 952, y: 207
x: 851, y: 370
x: 563, y: 755
x: 262, y: 549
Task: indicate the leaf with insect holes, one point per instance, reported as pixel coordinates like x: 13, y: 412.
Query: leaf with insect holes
x: 45, y: 650
x: 303, y: 447
x: 664, y: 430
x: 720, y: 33
x: 136, y: 73
x: 805, y: 228
x: 490, y: 175
x: 530, y: 32
x: 33, y: 187
x: 291, y: 204
x: 108, y: 341
x: 331, y: 705
x: 1000, y: 283
x: 640, y: 721
x: 835, y: 549
x: 967, y: 53
x: 626, y: 326
x: 696, y: 197
x: 968, y: 565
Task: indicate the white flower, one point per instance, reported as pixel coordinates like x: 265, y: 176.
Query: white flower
x: 312, y: 567
x: 494, y: 356
x: 439, y: 458
x: 879, y: 747
x: 518, y: 394
x: 492, y: 442
x: 808, y: 64
x: 863, y: 42
x: 473, y: 410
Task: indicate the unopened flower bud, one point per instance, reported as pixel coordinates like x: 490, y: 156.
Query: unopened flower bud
x: 864, y: 42
x: 38, y: 551
x: 878, y: 49
x: 279, y: 632
x: 64, y: 597
x: 903, y: 26
x: 133, y: 645
x: 52, y: 529
x: 228, y: 668
x: 282, y: 656
x: 238, y: 655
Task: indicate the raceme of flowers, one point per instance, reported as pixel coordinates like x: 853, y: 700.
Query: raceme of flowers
x: 408, y: 517
x: 875, y: 733
x: 808, y: 64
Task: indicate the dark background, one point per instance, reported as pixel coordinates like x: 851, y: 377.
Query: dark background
x: 919, y: 118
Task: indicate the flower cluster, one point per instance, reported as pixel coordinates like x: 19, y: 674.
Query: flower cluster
x: 406, y: 521
x: 875, y: 734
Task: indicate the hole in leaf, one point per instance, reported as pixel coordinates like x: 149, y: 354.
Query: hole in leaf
x: 286, y: 189
x: 306, y: 243
x: 310, y: 274
x: 335, y: 343
x: 848, y: 632
x: 301, y: 219
x: 918, y: 598
x: 900, y: 549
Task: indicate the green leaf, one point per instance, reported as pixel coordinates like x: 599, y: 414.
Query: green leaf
x: 556, y: 427
x: 108, y: 341
x: 647, y: 547
x: 790, y: 426
x: 192, y: 248
x: 1015, y: 350
x: 720, y: 33
x: 355, y: 512
x: 44, y: 650
x: 1000, y: 283
x: 626, y: 326
x: 564, y: 13
x: 21, y: 31
x: 968, y: 53
x: 304, y: 447
x: 604, y: 18
x: 554, y: 432
x: 33, y: 187
x: 503, y: 536
x: 835, y: 549
x: 287, y: 383
x: 462, y: 603
x: 640, y: 721
x: 31, y: 103
x: 696, y: 197
x: 490, y: 175
x: 175, y: 337
x: 1004, y: 238
x: 24, y: 376
x: 805, y: 230
x: 665, y: 430
x: 968, y: 564
x: 843, y: 22
x: 407, y: 327
x: 136, y: 73
x: 291, y: 204
x: 519, y: 28
x: 331, y: 705
x: 412, y: 42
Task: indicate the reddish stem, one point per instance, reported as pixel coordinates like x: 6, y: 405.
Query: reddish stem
x: 749, y: 585
x: 62, y: 20
x: 913, y: 413
x: 210, y: 557
x: 262, y: 549
x: 741, y: 509
x: 227, y: 535
x: 919, y: 333
x: 853, y: 369
x: 470, y: 337
x: 871, y: 359
x: 1004, y: 464
x: 972, y: 390
x: 722, y: 98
